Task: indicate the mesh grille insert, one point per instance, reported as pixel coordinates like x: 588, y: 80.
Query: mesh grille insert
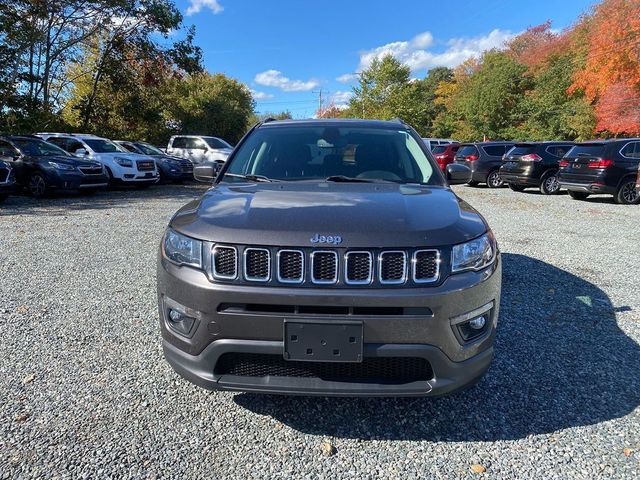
x: 324, y: 267
x: 256, y: 264
x: 225, y: 262
x: 388, y: 370
x: 359, y: 267
x: 425, y: 265
x: 393, y: 267
x: 290, y: 266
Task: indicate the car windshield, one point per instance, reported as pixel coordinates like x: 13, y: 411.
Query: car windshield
x: 214, y: 142
x: 439, y: 149
x: 39, y: 148
x: 100, y: 145
x: 594, y: 150
x: 149, y: 149
x: 521, y: 150
x: 298, y: 153
x: 467, y: 150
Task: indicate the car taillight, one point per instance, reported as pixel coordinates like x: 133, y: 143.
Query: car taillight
x: 531, y: 157
x: 602, y: 163
x: 471, y: 158
x: 564, y: 163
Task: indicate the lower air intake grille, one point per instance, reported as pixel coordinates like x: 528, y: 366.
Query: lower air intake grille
x: 324, y: 267
x: 225, y: 262
x: 388, y: 370
x: 257, y: 264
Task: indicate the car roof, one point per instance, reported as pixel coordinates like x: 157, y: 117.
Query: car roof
x: 497, y: 142
x: 605, y: 141
x: 334, y: 122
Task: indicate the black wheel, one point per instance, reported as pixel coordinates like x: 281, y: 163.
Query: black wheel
x: 578, y: 195
x: 110, y: 181
x: 494, y: 180
x: 549, y: 184
x: 627, y: 194
x: 38, y: 185
x: 473, y: 183
x: 516, y: 188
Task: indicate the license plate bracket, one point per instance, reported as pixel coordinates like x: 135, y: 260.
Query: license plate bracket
x: 323, y: 341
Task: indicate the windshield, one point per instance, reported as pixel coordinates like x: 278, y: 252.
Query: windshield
x: 214, y: 142
x: 39, y: 148
x: 595, y: 150
x: 299, y: 153
x: 100, y: 145
x: 439, y: 149
x: 521, y: 150
x: 467, y: 150
x: 149, y: 149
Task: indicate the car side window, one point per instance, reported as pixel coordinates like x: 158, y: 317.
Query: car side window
x: 7, y: 150
x: 73, y: 145
x: 631, y: 150
x: 495, y: 150
x: 195, y: 143
x: 59, y: 142
x: 179, y: 142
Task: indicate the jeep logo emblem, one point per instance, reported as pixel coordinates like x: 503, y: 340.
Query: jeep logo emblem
x: 332, y: 239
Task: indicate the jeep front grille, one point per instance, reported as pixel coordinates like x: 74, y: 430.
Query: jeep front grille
x: 329, y: 267
x: 225, y: 262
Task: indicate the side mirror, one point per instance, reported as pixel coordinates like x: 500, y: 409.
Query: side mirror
x: 80, y: 152
x: 204, y: 173
x: 458, y: 174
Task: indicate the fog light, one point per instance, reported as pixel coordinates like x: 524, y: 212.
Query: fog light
x: 180, y: 322
x: 478, y: 323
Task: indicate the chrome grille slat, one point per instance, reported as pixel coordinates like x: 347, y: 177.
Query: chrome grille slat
x: 426, y: 265
x: 290, y: 266
x: 358, y: 269
x: 224, y: 262
x: 257, y: 264
x: 392, y: 267
x: 324, y: 267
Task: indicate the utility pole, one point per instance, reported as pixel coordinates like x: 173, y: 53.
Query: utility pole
x: 319, y: 102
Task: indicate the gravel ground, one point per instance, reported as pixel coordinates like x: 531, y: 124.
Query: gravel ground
x: 84, y: 390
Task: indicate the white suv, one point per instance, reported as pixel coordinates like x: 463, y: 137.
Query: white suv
x: 121, y: 166
x: 199, y: 149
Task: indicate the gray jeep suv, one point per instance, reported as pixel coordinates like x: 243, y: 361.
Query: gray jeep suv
x: 330, y: 257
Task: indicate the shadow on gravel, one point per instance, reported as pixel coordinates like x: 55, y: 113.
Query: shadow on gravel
x: 120, y: 197
x: 561, y: 361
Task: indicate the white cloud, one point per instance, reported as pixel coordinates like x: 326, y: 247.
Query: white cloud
x: 340, y: 98
x: 260, y: 95
x: 347, y: 78
x: 416, y: 52
x: 274, y: 78
x: 196, y: 6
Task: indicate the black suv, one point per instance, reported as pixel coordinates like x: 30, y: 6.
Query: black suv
x: 607, y: 166
x: 170, y: 168
x: 534, y: 164
x: 42, y: 167
x: 7, y: 180
x: 330, y: 257
x: 484, y: 159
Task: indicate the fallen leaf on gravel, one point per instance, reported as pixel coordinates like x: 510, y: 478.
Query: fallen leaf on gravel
x: 22, y: 417
x: 28, y: 379
x: 327, y: 448
x: 627, y: 452
x: 552, y: 291
x: 477, y: 468
x: 22, y: 309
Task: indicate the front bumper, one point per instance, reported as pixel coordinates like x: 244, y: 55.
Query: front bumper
x: 72, y: 180
x: 171, y: 173
x: 429, y: 336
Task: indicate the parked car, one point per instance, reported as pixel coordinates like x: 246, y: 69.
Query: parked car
x: 316, y: 271
x: 431, y: 143
x: 602, y: 166
x: 638, y: 181
x: 484, y: 159
x: 7, y: 179
x: 121, y: 166
x: 445, y: 154
x: 170, y: 168
x: 41, y: 167
x: 534, y: 164
x: 199, y: 149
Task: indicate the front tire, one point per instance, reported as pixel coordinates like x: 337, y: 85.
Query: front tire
x: 494, y: 180
x: 473, y: 183
x: 627, y: 194
x: 516, y: 188
x: 549, y: 184
x: 578, y: 195
x: 38, y: 187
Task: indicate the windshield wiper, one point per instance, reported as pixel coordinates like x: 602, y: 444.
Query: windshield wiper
x: 253, y: 178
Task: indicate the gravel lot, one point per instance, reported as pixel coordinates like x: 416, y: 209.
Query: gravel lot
x: 85, y: 392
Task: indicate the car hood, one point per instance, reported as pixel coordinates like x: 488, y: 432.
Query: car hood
x: 73, y: 161
x: 362, y: 214
x: 128, y: 156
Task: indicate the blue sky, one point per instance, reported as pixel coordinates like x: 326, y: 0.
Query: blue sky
x: 287, y: 50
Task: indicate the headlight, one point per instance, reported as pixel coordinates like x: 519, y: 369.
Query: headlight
x: 123, y: 162
x: 61, y: 166
x: 182, y: 250
x: 474, y: 255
